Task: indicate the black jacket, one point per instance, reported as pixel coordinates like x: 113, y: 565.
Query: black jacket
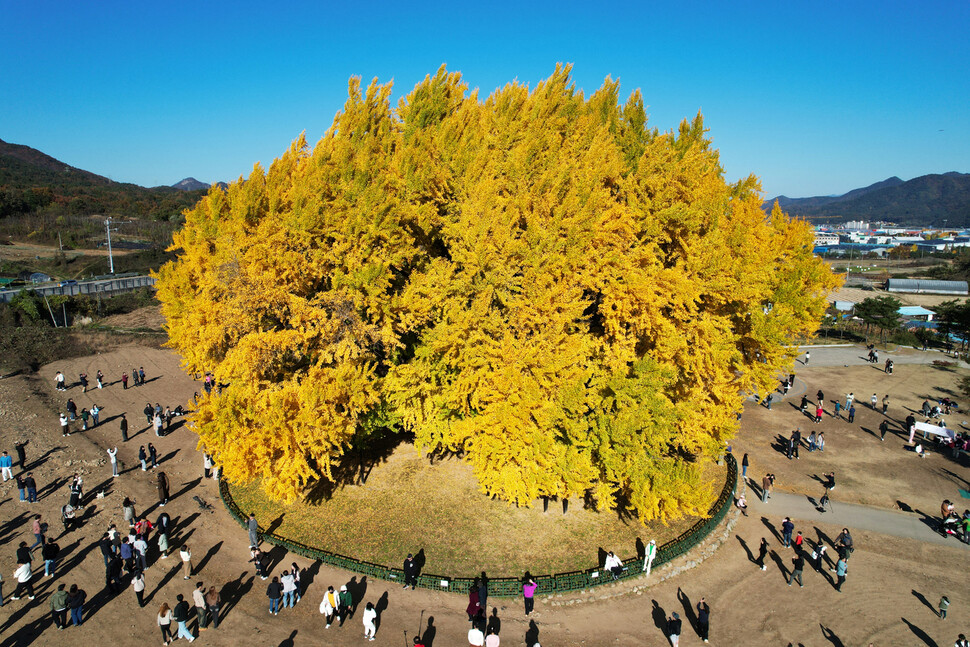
x: 181, y: 612
x: 673, y: 627
x: 274, y: 590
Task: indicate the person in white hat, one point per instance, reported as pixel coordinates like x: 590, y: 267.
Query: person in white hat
x: 650, y: 555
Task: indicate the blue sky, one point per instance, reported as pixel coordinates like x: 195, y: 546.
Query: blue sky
x: 814, y: 98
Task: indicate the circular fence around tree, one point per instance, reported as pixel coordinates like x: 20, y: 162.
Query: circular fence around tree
x: 512, y: 586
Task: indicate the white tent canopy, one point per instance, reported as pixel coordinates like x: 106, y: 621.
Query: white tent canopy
x: 928, y: 429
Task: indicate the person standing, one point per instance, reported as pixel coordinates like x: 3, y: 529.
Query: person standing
x: 798, y: 565
x: 883, y: 428
x: 369, y: 618
x: 153, y: 455
x: 95, y: 412
x: 50, y: 552
x: 286, y: 581
x: 77, y: 491
x: 99, y: 376
x: 164, y: 620
x: 143, y: 457
x: 848, y: 400
x: 787, y: 527
x: 75, y: 601
x: 885, y: 403
x: 274, y: 592
x: 744, y: 469
x: 768, y: 401
x: 6, y: 466
x: 139, y: 548
x: 71, y: 410
x: 124, y: 381
x: 808, y: 356
x: 113, y: 457
x: 819, y: 555
x: 138, y: 586
x: 528, y: 593
x: 328, y: 606
x: 162, y: 487
x: 149, y: 411
x: 852, y: 413
x: 85, y: 414
x: 59, y: 381
x: 181, y: 616
x: 944, y: 605
x: 873, y: 401
x: 820, y: 441
x: 838, y: 409
x: 483, y: 592
x: 141, y: 375
x: 186, y: 556
x: 65, y: 426
x: 253, y: 526
x: 124, y: 428
x: 134, y: 377
x: 674, y: 626
x: 410, y: 566
x: 206, y: 464
x: 58, y: 605
x: 163, y: 524
x: 762, y: 553
x: 213, y: 601
x: 21, y: 487
x: 198, y: 596
x: 704, y: 616
x: 31, y: 486
x: 128, y: 510
x: 21, y: 448
x: 765, y: 487
x: 841, y: 568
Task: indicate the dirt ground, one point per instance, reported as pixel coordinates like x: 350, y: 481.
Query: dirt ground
x: 892, y: 587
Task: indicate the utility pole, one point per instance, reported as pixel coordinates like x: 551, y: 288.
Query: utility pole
x: 111, y: 260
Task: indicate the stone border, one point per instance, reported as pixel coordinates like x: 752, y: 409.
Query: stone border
x: 509, y: 587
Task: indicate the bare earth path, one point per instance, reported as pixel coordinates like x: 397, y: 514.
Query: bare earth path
x: 892, y: 585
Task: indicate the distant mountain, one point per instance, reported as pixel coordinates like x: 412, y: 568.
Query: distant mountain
x: 928, y: 200
x: 32, y: 181
x: 190, y: 184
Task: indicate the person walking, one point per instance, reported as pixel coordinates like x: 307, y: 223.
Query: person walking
x: 345, y: 602
x: 58, y: 606
x: 852, y: 413
x: 744, y: 466
x: 883, y: 428
x: 787, y: 527
x: 23, y: 575
x: 186, y: 556
x: 328, y: 606
x: 274, y: 592
x: 528, y: 593
x: 164, y: 620
x: 674, y: 626
x: 704, y: 617
x: 944, y: 605
x: 201, y: 612
x: 124, y: 428
x: 808, y: 356
x: 113, y: 457
x: 181, y: 616
x: 369, y: 618
x: 38, y: 530
x: 885, y: 403
x: 138, y: 586
x: 650, y: 554
x: 75, y: 602
x: 838, y: 409
x: 6, y: 466
x: 213, y: 601
x: 798, y: 565
x: 762, y: 553
x: 162, y: 486
x: 254, y: 538
x: 841, y: 568
x: 818, y: 413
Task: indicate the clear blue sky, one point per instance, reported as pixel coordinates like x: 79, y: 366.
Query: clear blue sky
x: 815, y: 98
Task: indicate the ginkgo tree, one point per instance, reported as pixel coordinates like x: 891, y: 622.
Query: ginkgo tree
x: 573, y: 302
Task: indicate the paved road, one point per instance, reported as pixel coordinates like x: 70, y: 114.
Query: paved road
x: 857, y: 355
x: 908, y: 525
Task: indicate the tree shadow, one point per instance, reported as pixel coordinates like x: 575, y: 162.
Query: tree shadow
x: 926, y: 603
x: 355, y: 466
x: 919, y: 633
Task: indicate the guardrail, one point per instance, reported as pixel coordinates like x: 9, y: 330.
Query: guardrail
x: 106, y: 287
x: 508, y: 587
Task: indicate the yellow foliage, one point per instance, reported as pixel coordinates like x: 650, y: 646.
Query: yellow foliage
x: 537, y: 281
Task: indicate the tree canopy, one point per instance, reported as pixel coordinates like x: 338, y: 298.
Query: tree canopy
x: 573, y: 302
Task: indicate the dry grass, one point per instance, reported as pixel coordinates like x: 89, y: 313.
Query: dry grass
x: 408, y: 504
